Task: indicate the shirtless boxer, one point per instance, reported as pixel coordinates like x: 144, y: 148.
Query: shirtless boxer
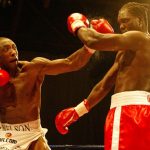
x: 128, y: 121
x: 20, y: 97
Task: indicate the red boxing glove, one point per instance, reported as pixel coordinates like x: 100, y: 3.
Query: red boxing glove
x: 102, y: 26
x: 68, y: 116
x: 4, y: 77
x: 76, y: 21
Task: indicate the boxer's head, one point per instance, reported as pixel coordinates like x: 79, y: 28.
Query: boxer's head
x: 8, y: 53
x: 133, y: 16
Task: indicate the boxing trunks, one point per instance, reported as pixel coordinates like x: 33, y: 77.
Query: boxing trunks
x: 20, y: 136
x: 127, y: 125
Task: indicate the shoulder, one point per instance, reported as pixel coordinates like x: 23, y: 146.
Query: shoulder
x: 136, y: 34
x: 30, y: 67
x: 40, y: 60
x: 22, y: 63
x: 25, y: 66
x: 134, y: 40
x: 34, y: 61
x: 38, y: 63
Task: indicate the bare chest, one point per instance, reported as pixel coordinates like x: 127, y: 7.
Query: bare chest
x: 20, y: 100
x: 17, y: 91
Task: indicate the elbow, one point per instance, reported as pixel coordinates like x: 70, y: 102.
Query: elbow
x: 88, y: 37
x: 89, y: 42
x: 92, y: 42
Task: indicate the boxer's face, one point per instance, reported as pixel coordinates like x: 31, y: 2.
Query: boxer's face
x: 128, y: 22
x: 8, y: 53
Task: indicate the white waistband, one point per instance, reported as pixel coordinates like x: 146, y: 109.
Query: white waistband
x: 25, y: 126
x: 130, y: 98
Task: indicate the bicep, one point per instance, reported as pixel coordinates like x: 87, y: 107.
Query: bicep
x: 51, y: 67
x: 113, y: 42
x: 132, y: 40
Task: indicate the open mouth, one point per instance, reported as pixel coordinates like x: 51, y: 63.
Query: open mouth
x: 14, y: 60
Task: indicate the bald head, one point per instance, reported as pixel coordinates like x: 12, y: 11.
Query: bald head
x: 6, y: 45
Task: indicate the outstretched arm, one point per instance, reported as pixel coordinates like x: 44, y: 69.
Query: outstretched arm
x: 72, y: 63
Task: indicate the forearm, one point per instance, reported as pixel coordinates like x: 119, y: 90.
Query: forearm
x: 97, y: 94
x: 80, y: 58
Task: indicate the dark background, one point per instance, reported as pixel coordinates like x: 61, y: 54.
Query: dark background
x: 39, y: 29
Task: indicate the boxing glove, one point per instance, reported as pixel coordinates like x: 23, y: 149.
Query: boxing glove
x: 101, y: 26
x: 68, y: 116
x: 4, y: 77
x: 76, y: 21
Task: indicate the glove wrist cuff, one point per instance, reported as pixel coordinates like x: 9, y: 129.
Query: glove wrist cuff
x: 82, y: 108
x: 76, y: 25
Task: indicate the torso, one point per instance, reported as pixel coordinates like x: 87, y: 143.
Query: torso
x: 134, y: 71
x: 21, y: 98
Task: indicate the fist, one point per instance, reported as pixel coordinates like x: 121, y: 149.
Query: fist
x: 76, y: 21
x: 65, y: 118
x: 4, y: 77
x: 101, y: 26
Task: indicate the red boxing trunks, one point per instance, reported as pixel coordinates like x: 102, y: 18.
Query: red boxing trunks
x: 127, y: 124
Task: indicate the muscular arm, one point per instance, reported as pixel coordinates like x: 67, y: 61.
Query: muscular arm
x: 112, y: 42
x: 72, y: 63
x: 102, y: 88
